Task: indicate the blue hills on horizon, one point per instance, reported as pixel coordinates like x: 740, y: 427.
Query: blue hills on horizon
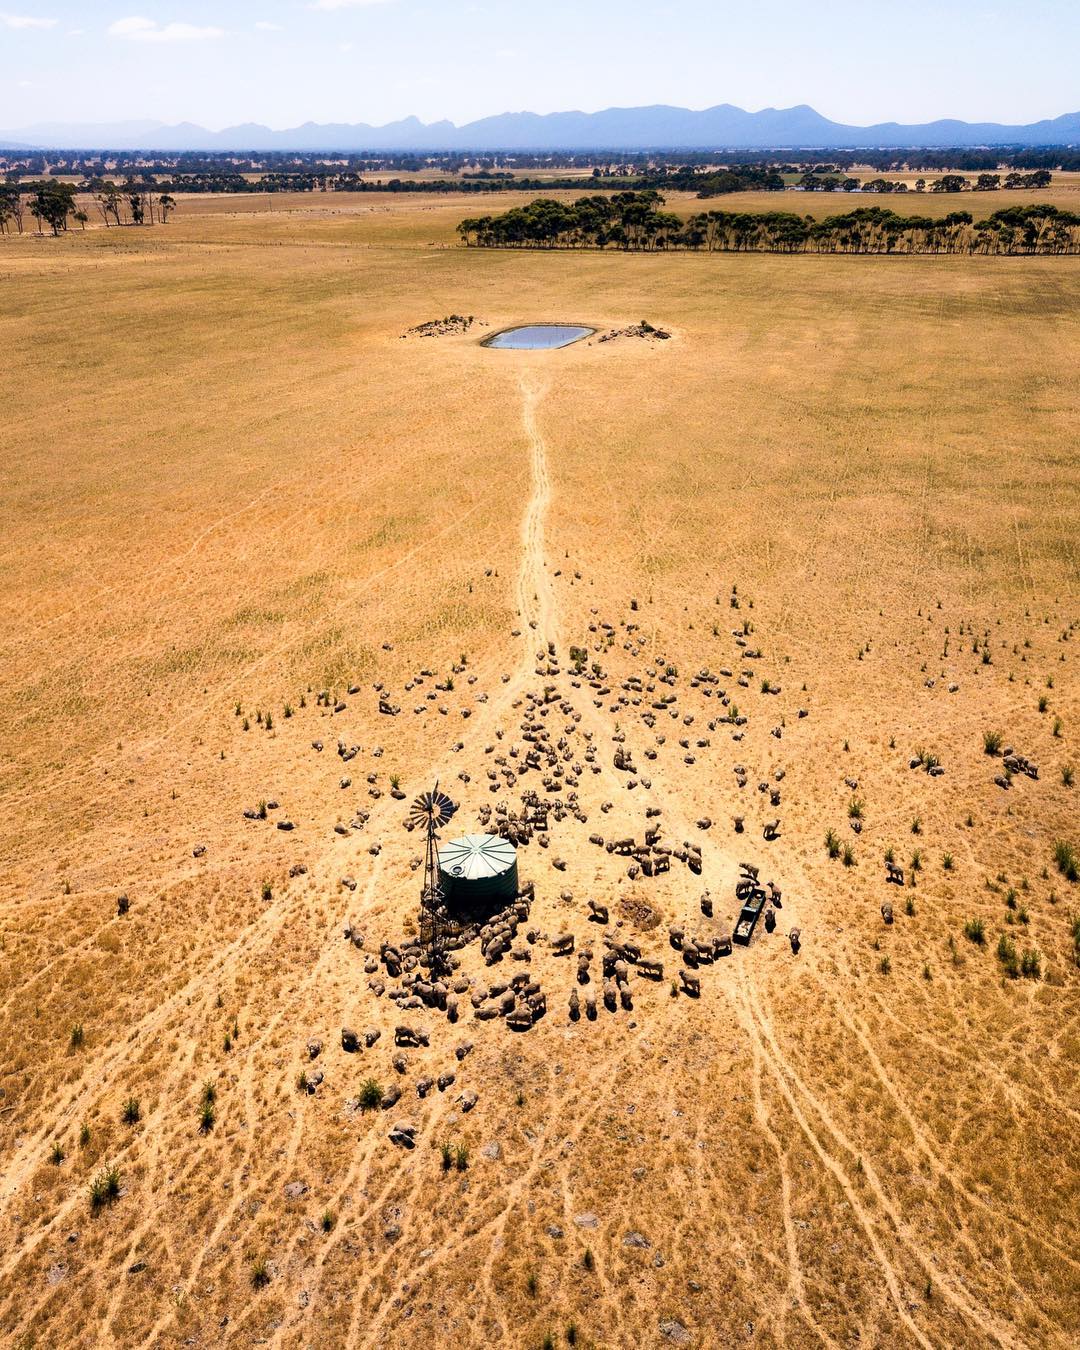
x: 659, y: 127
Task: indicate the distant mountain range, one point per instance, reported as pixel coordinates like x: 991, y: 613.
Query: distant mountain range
x: 659, y: 127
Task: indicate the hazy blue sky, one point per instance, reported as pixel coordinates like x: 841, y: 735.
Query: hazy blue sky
x: 282, y: 62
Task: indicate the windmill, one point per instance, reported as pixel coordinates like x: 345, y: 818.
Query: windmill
x: 431, y: 810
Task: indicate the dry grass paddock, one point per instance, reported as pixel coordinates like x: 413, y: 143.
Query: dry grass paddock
x: 229, y: 483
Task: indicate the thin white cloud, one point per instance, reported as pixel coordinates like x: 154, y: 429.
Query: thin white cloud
x: 345, y: 4
x: 265, y: 26
x: 139, y: 29
x: 25, y: 21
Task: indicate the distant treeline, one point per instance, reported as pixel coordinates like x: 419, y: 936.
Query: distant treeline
x: 636, y: 221
x: 352, y: 182
x: 54, y: 204
x: 671, y: 178
x: 123, y: 163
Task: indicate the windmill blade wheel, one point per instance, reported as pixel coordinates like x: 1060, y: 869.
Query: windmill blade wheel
x: 434, y: 807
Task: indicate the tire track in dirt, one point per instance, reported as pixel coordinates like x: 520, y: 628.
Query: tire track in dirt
x: 924, y: 1144
x: 796, y: 1093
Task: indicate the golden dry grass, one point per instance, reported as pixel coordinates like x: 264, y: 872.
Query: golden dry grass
x: 228, y: 479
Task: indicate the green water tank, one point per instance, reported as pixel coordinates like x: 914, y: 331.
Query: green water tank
x: 478, y: 871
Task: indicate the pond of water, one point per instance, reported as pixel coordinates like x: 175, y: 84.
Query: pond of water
x: 539, y: 337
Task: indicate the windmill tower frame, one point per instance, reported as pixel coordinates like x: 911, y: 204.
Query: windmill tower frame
x: 431, y: 810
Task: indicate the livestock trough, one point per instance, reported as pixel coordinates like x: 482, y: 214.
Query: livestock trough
x: 748, y: 917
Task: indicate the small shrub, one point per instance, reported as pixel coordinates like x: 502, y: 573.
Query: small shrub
x: 371, y: 1094
x: 1068, y: 774
x: 226, y: 1044
x: 447, y: 1152
x: 260, y: 810
x: 832, y: 844
x: 78, y: 1036
x: 1031, y: 964
x: 56, y: 1153
x: 461, y: 1158
x: 926, y: 971
x: 327, y: 1221
x: 916, y: 825
x: 395, y: 782
x: 532, y: 1284
x: 975, y: 931
x: 104, y: 1188
x: 1006, y: 954
x: 916, y: 861
x: 1022, y: 914
x: 885, y: 965
x: 132, y: 1113
x: 519, y: 1100
x: 287, y: 710
x: 571, y: 1334
x: 269, y: 721
x: 1044, y: 703
x: 848, y: 856
x: 589, y: 1261
x: 1058, y: 726
x: 947, y: 862
x: 260, y: 1273
x: 207, y: 1117
x: 855, y: 808
x: 209, y: 1091
x: 548, y: 1343
x: 1066, y: 860
x: 84, y: 1135
x: 909, y: 907
x: 992, y: 742
x: 267, y: 891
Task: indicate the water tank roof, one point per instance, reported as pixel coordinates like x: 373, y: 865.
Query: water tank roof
x: 476, y: 857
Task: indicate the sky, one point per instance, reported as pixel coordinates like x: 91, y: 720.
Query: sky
x: 284, y: 62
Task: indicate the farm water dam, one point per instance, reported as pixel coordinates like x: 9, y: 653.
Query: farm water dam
x: 539, y: 337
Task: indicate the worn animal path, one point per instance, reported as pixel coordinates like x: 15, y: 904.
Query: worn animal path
x: 535, y: 597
